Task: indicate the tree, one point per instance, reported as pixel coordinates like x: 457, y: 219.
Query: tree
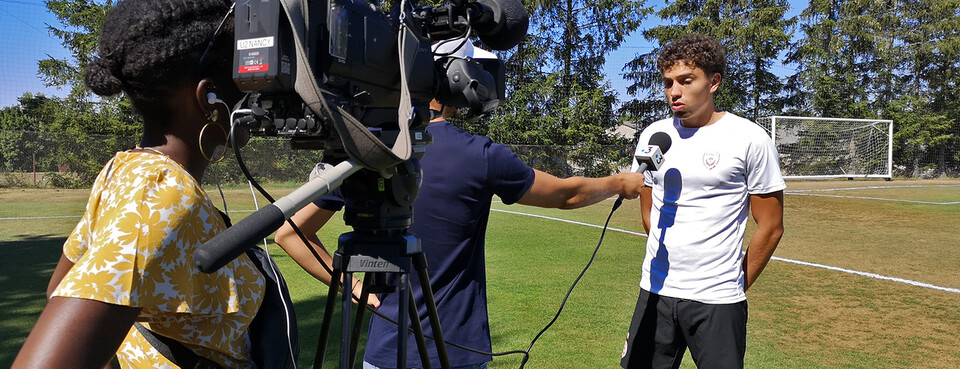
x: 764, y: 34
x: 919, y: 131
x: 557, y: 94
x: 59, y: 132
x: 927, y: 112
x: 837, y: 58
x: 80, y: 23
x: 753, y: 34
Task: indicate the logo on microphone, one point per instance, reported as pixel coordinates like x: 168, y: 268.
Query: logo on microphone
x: 710, y: 159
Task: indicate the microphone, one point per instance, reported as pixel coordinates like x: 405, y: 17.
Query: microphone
x: 503, y: 23
x: 651, y: 156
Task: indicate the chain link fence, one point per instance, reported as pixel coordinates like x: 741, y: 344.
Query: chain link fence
x: 36, y: 159
x: 60, y: 160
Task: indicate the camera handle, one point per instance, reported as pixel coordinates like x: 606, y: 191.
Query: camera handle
x: 378, y: 254
x: 229, y: 244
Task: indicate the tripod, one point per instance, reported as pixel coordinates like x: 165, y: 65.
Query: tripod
x: 380, y: 211
x: 377, y: 254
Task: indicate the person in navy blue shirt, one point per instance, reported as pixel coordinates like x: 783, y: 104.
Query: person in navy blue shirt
x: 461, y: 174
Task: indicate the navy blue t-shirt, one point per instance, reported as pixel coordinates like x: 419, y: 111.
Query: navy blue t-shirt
x: 461, y: 174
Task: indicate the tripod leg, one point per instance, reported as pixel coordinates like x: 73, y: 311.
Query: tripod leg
x: 403, y: 289
x: 327, y: 319
x: 347, y: 301
x: 358, y: 321
x: 420, y: 264
x: 418, y: 333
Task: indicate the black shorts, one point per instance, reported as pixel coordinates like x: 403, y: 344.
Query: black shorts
x: 663, y: 327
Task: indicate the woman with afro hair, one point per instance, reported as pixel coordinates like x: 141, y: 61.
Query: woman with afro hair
x: 130, y: 258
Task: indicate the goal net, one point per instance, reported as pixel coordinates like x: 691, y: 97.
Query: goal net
x: 821, y: 148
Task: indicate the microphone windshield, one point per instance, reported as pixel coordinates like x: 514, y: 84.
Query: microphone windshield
x: 662, y: 140
x: 509, y: 25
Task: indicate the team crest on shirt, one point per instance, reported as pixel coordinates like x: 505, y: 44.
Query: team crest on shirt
x: 710, y: 159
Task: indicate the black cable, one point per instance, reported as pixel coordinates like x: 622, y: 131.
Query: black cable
x: 243, y: 168
x: 562, y: 304
x: 262, y: 191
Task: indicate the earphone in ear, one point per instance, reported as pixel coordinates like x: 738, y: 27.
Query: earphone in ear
x: 212, y: 99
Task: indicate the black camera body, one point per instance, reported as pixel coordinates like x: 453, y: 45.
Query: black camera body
x: 352, y: 47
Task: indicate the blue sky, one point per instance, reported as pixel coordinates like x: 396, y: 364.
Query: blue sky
x: 24, y: 40
x: 635, y: 45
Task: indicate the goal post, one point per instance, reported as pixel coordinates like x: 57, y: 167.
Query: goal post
x: 824, y: 148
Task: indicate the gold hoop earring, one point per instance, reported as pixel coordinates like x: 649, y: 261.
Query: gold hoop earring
x: 205, y: 156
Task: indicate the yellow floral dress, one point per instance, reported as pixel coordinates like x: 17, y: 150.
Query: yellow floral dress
x: 134, y: 247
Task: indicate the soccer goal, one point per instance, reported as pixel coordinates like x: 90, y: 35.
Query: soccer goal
x: 823, y: 148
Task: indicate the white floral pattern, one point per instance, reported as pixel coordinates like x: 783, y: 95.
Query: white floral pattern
x: 134, y: 247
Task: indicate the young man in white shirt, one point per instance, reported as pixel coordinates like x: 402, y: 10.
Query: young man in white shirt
x: 719, y: 169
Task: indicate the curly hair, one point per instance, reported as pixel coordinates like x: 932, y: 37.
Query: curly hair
x: 698, y: 50
x: 150, y: 48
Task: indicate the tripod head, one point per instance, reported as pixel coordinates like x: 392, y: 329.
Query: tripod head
x: 382, y: 201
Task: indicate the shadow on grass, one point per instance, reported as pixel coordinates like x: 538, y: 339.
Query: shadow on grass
x: 27, y: 264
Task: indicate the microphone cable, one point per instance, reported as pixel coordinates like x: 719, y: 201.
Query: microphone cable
x: 616, y: 205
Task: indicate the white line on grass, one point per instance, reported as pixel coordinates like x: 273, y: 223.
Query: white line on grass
x: 874, y: 198
x: 50, y: 217
x: 571, y: 221
x: 873, y: 188
x: 77, y: 216
x: 870, y: 275
x: 804, y: 263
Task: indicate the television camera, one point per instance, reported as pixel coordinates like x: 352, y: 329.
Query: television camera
x: 354, y: 51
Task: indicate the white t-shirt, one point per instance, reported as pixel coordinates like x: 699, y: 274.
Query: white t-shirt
x: 701, y: 205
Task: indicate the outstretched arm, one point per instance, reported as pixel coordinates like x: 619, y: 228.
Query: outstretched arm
x: 549, y: 191
x: 767, y: 211
x: 310, y: 219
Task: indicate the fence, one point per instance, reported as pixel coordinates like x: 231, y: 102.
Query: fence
x: 35, y: 159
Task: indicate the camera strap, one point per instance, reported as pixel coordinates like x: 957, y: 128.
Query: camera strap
x: 174, y: 351
x: 365, y: 148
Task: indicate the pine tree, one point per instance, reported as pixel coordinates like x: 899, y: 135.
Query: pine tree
x: 836, y: 59
x: 753, y: 34
x: 928, y: 127
x: 559, y: 95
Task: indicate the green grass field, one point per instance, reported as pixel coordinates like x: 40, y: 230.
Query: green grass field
x: 801, y: 316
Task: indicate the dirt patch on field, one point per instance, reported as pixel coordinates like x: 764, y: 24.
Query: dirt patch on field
x: 848, y: 321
